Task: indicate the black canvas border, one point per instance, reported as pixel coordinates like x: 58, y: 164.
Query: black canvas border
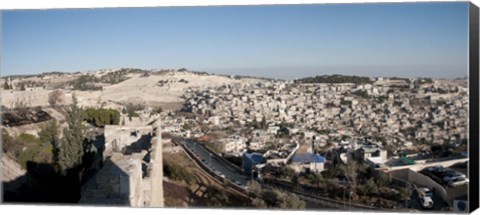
x: 474, y: 109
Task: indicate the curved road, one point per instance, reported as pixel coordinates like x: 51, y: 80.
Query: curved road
x: 213, y: 162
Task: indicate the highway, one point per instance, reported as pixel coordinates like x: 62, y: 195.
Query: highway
x: 214, y: 163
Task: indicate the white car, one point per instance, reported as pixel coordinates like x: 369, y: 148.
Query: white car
x: 426, y: 202
x: 453, y: 176
x: 425, y: 191
x: 458, y: 182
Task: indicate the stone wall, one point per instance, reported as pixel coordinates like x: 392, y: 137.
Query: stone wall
x: 38, y: 97
x: 117, y: 183
x: 156, y: 174
x: 128, y: 178
x: 12, y: 172
x: 31, y: 98
x: 117, y: 137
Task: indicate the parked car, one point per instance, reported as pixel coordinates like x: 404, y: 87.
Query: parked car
x: 458, y: 182
x: 436, y: 169
x: 425, y: 191
x: 453, y: 176
x: 426, y: 202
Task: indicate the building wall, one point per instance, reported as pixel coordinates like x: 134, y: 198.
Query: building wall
x: 421, y: 165
x: 422, y: 180
x: 122, y: 181
x: 31, y: 98
x: 117, y: 183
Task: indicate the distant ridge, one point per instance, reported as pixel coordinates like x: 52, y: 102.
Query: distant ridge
x: 336, y: 79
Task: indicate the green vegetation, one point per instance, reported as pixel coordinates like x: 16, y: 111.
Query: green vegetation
x: 279, y: 199
x: 408, y: 131
x: 259, y: 125
x: 24, y: 84
x: 274, y: 198
x: 72, y: 146
x: 32, y: 150
x: 131, y: 109
x: 27, y: 147
x: 361, y: 93
x: 6, y: 86
x: 115, y: 77
x: 370, y: 188
x: 85, y: 83
x: 404, y: 193
x: 336, y: 79
x: 287, y: 172
x: 382, y: 179
x: 215, y: 197
x: 158, y: 110
x: 345, y: 102
x: 177, y: 172
x: 101, y: 117
x: 28, y: 138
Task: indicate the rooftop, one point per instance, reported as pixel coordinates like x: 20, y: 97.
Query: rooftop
x: 307, y: 158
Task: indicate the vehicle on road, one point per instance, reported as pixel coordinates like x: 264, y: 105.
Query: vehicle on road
x: 426, y: 202
x: 453, y: 176
x: 458, y: 182
x: 425, y: 191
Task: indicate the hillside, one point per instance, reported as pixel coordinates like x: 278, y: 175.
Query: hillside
x: 114, y: 88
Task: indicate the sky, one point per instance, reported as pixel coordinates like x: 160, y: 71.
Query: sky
x: 277, y: 41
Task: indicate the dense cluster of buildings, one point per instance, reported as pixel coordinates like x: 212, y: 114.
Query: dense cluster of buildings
x: 398, y: 113
x: 373, y: 122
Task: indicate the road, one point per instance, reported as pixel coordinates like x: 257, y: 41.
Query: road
x: 213, y: 162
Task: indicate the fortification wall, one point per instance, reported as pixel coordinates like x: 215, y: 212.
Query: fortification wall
x: 156, y: 174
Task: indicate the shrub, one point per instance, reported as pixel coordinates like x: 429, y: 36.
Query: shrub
x: 177, y: 172
x: 33, y: 150
x: 101, y: 117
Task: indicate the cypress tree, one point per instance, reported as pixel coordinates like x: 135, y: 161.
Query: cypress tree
x: 6, y: 86
x: 71, y: 147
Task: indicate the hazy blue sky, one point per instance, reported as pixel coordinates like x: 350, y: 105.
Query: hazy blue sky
x: 406, y: 39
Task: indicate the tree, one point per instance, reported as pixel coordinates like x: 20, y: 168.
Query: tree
x: 254, y: 187
x: 215, y: 197
x: 72, y: 146
x: 289, y: 201
x: 6, y: 86
x: 50, y: 134
x: 22, y: 87
x: 101, y: 117
x: 405, y: 193
x: 264, y: 123
x: 279, y: 199
x: 316, y: 179
x: 287, y: 172
x: 56, y: 97
x: 259, y: 203
x: 382, y: 179
x: 370, y: 187
x: 351, y: 171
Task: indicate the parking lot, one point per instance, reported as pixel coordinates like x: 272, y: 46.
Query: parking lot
x: 438, y: 174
